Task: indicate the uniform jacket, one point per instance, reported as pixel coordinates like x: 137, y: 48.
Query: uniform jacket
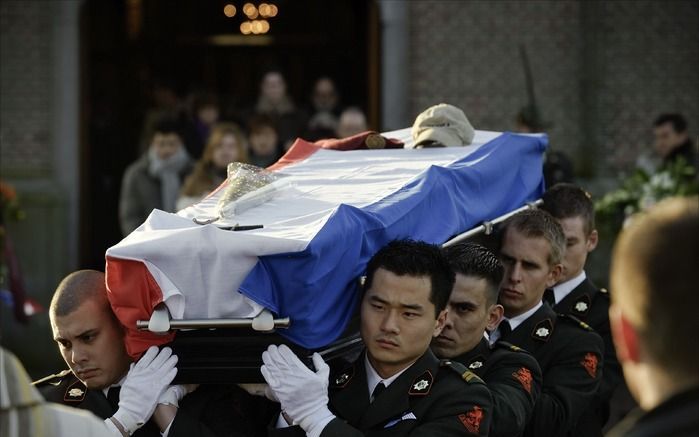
x: 591, y: 305
x: 676, y: 417
x: 514, y: 379
x: 208, y: 411
x: 431, y: 398
x: 570, y: 355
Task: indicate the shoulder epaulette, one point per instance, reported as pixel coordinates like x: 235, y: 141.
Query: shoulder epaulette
x: 576, y: 321
x: 461, y: 370
x: 55, y: 379
x: 508, y: 346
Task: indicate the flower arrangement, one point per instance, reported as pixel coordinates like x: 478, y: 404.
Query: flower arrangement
x: 643, y: 189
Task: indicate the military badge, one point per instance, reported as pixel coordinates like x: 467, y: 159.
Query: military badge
x: 524, y: 376
x: 475, y: 365
x: 75, y: 393
x: 582, y: 305
x: 589, y: 362
x: 542, y: 331
x: 343, y: 378
x: 471, y: 420
x: 421, y: 385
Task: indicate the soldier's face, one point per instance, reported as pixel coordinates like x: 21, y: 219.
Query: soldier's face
x: 91, y: 342
x: 468, y: 316
x: 527, y: 272
x: 578, y: 245
x: 398, y: 320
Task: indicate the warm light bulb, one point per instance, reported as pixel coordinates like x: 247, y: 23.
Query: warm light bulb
x: 229, y: 10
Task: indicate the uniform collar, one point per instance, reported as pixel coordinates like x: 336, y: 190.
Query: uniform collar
x: 518, y: 320
x: 373, y: 378
x: 560, y: 291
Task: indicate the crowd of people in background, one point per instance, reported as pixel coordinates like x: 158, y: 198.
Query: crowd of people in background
x: 189, y: 143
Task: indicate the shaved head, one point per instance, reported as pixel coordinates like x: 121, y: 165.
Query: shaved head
x: 76, y: 289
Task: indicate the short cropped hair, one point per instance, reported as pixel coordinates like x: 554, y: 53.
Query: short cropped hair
x: 654, y: 281
x: 679, y: 123
x: 168, y: 125
x: 535, y: 223
x: 564, y: 201
x: 76, y: 289
x: 470, y: 259
x: 415, y: 258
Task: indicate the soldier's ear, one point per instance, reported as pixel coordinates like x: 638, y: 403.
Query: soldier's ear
x: 554, y: 275
x: 592, y: 240
x: 440, y: 322
x: 495, y: 314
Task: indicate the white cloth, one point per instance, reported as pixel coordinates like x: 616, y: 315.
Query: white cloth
x: 560, y: 291
x: 514, y: 322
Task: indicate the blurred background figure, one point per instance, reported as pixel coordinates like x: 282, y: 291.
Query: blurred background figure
x: 274, y: 102
x: 653, y: 318
x: 166, y: 103
x: 325, y: 110
x: 205, y: 113
x: 352, y: 122
x: 263, y: 140
x: 226, y: 144
x: 672, y: 140
x: 154, y: 180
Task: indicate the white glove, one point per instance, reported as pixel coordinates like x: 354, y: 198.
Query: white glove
x: 302, y: 393
x: 146, y: 381
x: 174, y: 394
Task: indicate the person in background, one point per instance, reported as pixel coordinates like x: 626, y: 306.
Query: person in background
x: 512, y: 375
x: 226, y: 144
x: 653, y: 318
x: 575, y: 294
x: 324, y: 110
x: 672, y: 140
x: 154, y: 180
x: 204, y: 116
x: 352, y: 121
x: 275, y: 103
x: 263, y: 140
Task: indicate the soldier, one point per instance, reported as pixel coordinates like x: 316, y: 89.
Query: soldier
x: 569, y: 352
x: 397, y: 387
x: 133, y: 398
x: 576, y: 295
x: 512, y: 375
x: 653, y: 317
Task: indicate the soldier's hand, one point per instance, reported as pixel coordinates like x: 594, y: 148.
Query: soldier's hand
x: 302, y: 393
x: 144, y: 384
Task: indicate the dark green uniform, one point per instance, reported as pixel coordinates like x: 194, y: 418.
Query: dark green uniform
x: 591, y: 305
x: 208, y: 411
x: 431, y: 398
x: 514, y: 379
x: 570, y: 356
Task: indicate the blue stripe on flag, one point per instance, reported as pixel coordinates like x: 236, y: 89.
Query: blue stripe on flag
x: 317, y: 287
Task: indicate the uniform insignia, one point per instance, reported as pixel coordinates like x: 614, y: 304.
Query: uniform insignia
x: 421, y: 385
x: 471, y: 420
x: 582, y: 305
x: 542, y: 331
x: 468, y: 376
x: 589, y: 362
x: 75, y: 392
x: 524, y: 376
x: 343, y: 378
x: 577, y: 321
x: 604, y: 291
x: 475, y: 365
x: 405, y: 416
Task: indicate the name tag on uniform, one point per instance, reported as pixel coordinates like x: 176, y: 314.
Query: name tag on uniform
x: 406, y: 416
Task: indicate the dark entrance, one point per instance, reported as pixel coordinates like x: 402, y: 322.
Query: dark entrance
x: 130, y: 46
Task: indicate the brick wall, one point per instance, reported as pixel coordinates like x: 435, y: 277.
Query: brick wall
x: 25, y: 87
x: 602, y: 70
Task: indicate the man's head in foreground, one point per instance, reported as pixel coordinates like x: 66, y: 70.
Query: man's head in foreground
x: 532, y: 248
x: 473, y: 304
x: 404, y: 304
x: 655, y: 300
x: 573, y: 208
x: 89, y: 336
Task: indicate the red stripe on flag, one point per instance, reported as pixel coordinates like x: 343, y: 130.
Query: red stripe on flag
x: 133, y: 293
